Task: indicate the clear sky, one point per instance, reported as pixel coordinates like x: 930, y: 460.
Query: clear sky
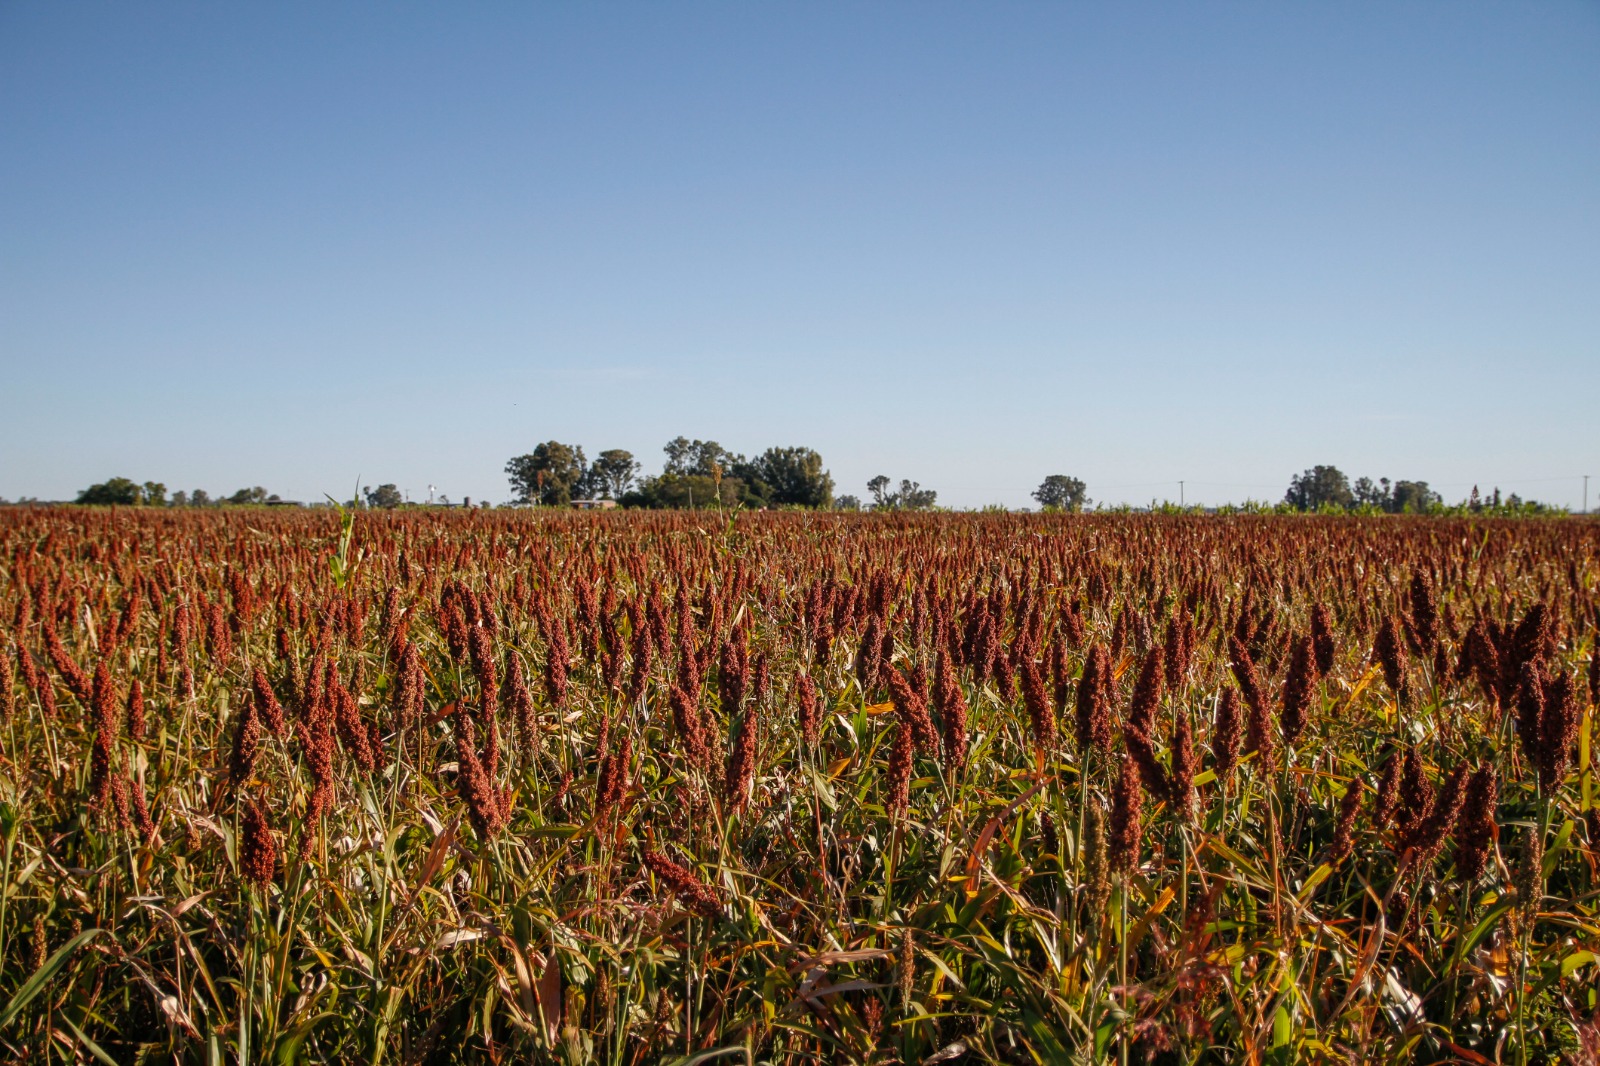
x: 968, y: 244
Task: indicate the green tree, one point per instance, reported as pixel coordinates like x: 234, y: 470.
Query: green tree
x: 1413, y: 497
x: 548, y: 474
x: 686, y: 491
x: 117, y: 490
x: 1368, y: 494
x: 613, y: 474
x: 154, y: 494
x: 792, y: 476
x: 1319, y: 487
x: 911, y: 496
x: 246, y: 496
x: 386, y: 496
x: 1062, y: 493
x: 847, y: 503
x: 881, y: 494
x: 706, y: 458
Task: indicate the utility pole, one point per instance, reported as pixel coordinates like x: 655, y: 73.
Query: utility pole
x: 1586, y: 494
x: 1180, y: 493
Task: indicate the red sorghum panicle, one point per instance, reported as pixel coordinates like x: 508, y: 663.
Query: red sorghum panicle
x: 689, y: 889
x: 1127, y: 816
x: 1225, y: 734
x: 1481, y: 659
x: 1099, y: 872
x: 246, y: 744
x: 613, y: 779
x: 1298, y: 687
x: 27, y: 669
x: 267, y: 704
x: 217, y: 636
x: 141, y: 811
x: 739, y: 780
x: 686, y: 717
x: 1475, y: 829
x: 869, y: 654
x: 901, y: 754
x: 7, y: 681
x: 952, y: 704
x: 1429, y: 835
x: 485, y: 805
x: 1387, y: 798
x: 1530, y: 714
x: 1416, y: 795
x: 258, y: 852
x: 1322, y: 638
x: 1559, y: 732
x: 1390, y: 651
x: 1141, y: 752
x: 1184, y: 763
x: 911, y: 706
x: 413, y: 688
x: 136, y: 722
x: 1344, y: 825
x: 810, y: 712
x: 77, y: 681
x: 1146, y: 694
x: 1530, y: 871
x: 761, y: 680
x: 107, y: 724
x: 1260, y: 722
x: 643, y: 654
x: 521, y: 701
x: 352, y: 730
x: 555, y: 665
x: 119, y: 801
x: 1041, y: 708
x: 315, y: 732
x: 483, y: 668
x: 1093, y: 709
x: 1424, y: 612
x: 1261, y: 737
x: 1532, y: 642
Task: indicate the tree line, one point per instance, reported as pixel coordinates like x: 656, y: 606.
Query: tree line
x: 702, y: 473
x: 126, y: 492
x: 696, y: 474
x: 1326, y: 488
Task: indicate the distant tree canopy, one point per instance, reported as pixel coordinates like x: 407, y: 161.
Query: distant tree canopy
x: 788, y: 477
x: 549, y: 474
x: 1402, y: 497
x: 1321, y: 486
x: 129, y: 493
x: 385, y: 496
x: 911, y: 496
x: 1062, y: 493
x: 117, y: 490
x: 1327, y: 487
x: 611, y: 476
x: 696, y: 473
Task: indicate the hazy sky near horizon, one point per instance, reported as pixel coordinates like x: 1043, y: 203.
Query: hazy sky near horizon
x: 292, y: 245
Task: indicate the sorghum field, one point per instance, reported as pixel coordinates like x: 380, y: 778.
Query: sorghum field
x: 626, y: 788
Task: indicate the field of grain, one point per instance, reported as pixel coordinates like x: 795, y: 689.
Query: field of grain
x: 654, y: 787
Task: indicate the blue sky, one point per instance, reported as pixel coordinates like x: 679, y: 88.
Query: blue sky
x: 971, y: 245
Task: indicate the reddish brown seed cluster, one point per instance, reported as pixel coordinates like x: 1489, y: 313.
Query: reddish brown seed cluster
x: 258, y: 852
x: 689, y: 889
